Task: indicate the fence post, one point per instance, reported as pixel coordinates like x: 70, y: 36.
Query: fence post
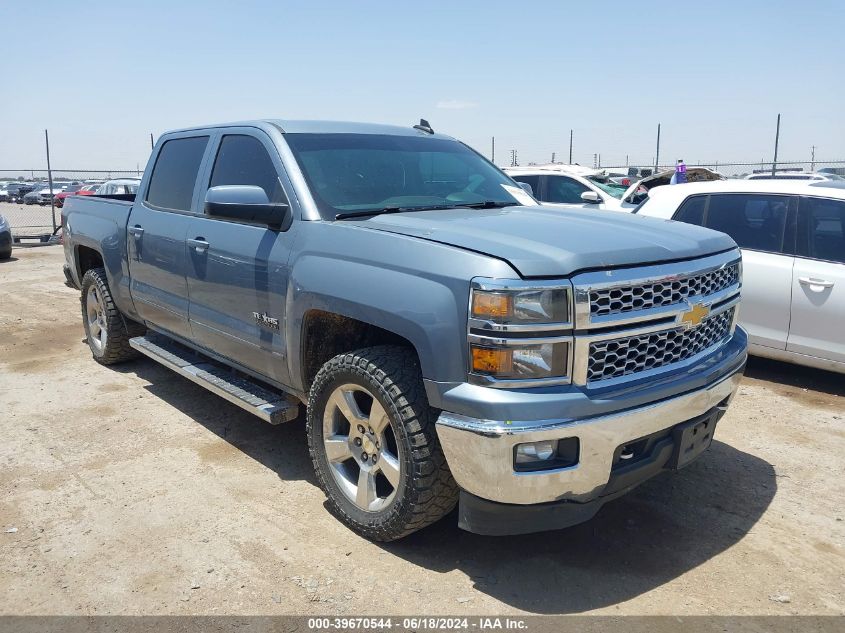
x: 50, y: 180
x: 777, y: 138
x: 657, y: 155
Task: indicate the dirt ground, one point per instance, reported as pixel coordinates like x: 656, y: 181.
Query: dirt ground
x: 133, y: 491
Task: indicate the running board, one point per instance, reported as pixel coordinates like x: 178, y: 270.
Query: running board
x: 270, y: 406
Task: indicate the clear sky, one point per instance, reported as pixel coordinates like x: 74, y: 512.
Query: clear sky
x: 103, y: 75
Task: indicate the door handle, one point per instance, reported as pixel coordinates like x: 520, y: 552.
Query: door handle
x: 136, y: 232
x: 811, y: 281
x: 199, y: 244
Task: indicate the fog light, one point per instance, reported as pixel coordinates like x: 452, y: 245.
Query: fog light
x: 546, y: 455
x: 536, y: 452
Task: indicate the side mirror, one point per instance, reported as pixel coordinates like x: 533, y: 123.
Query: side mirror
x: 247, y: 203
x: 590, y: 196
x: 526, y: 187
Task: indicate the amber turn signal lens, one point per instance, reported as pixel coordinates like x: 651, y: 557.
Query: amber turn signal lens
x: 491, y: 305
x: 491, y: 361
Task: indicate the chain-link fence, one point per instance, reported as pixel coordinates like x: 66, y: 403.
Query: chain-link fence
x: 33, y: 208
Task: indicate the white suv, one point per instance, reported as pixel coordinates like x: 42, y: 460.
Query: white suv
x: 792, y: 235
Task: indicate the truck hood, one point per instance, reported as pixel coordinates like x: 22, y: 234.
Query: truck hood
x: 545, y: 242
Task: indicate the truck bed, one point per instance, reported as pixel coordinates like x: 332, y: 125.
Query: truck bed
x: 99, y: 223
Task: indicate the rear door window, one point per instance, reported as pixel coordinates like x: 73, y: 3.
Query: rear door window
x: 822, y: 229
x: 754, y: 221
x: 175, y: 173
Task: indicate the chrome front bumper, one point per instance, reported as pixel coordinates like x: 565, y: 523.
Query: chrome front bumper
x: 480, y: 453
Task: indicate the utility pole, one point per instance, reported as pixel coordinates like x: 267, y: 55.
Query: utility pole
x: 152, y: 143
x: 813, y: 158
x: 570, y: 147
x: 514, y: 161
x: 493, y: 149
x: 777, y: 138
x: 657, y: 154
x: 50, y: 180
x: 599, y: 160
x: 553, y: 158
x: 626, y: 160
x: 595, y: 160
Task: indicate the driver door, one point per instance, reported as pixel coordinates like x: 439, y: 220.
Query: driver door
x: 237, y: 272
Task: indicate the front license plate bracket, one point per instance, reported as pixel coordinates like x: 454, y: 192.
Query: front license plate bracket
x: 691, y: 440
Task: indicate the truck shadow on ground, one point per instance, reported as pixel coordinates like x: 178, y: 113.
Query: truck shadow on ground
x: 281, y: 448
x: 663, y: 529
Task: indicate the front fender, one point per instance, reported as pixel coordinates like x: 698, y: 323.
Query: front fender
x: 429, y: 312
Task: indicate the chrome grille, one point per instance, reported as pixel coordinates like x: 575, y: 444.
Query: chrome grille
x: 623, y: 356
x: 622, y: 299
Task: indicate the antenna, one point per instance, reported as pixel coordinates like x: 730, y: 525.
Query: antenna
x: 424, y: 126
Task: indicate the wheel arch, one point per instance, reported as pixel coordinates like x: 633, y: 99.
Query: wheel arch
x: 86, y: 258
x: 326, y: 334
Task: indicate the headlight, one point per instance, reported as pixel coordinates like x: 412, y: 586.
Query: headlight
x: 519, y: 332
x: 549, y: 305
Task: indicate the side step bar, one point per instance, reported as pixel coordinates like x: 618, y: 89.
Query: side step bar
x: 270, y: 406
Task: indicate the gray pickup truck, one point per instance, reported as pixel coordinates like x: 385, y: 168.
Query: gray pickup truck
x: 451, y: 342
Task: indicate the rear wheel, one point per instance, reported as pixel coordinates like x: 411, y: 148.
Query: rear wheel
x: 107, y: 330
x: 373, y: 444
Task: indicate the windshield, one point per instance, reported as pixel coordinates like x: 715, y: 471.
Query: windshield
x: 608, y: 187
x: 367, y: 173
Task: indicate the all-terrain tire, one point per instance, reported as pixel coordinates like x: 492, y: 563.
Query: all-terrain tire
x: 426, y: 491
x: 110, y: 344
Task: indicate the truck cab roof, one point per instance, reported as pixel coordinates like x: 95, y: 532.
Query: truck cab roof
x: 297, y: 126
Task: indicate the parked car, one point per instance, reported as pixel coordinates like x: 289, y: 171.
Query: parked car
x: 559, y: 184
x: 75, y: 190
x: 4, y: 192
x: 118, y: 186
x: 33, y: 196
x: 792, y: 235
x: 17, y: 191
x: 42, y: 195
x: 5, y: 238
x: 452, y: 341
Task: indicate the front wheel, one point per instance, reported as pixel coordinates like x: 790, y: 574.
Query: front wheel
x: 373, y: 444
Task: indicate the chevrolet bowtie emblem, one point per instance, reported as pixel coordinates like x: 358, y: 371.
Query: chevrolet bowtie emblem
x: 696, y: 315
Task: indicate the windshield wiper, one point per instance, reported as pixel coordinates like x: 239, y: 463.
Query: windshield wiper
x: 487, y: 204
x: 384, y: 210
